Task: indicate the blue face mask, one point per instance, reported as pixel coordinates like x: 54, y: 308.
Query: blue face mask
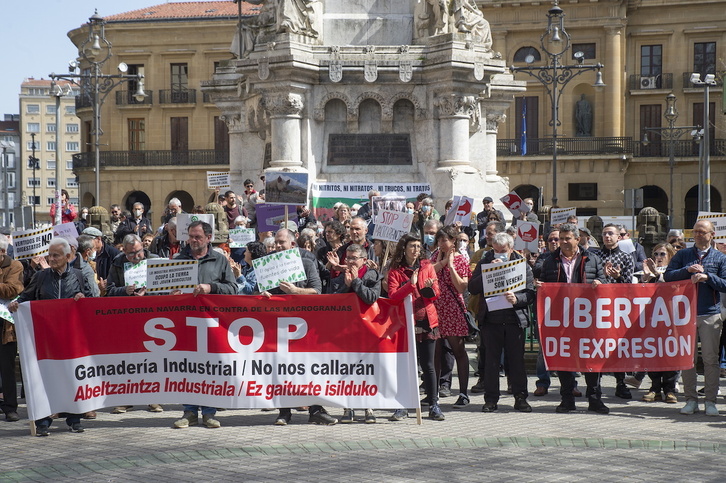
x: 428, y: 240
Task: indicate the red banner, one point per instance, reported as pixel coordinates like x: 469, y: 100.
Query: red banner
x: 617, y: 327
x: 217, y: 350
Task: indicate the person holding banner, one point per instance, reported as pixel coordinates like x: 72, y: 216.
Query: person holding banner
x: 568, y: 264
x: 503, y: 326
x: 411, y: 274
x: 58, y: 281
x: 11, y: 285
x: 706, y: 267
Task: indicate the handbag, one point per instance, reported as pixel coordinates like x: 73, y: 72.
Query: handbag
x: 470, y: 320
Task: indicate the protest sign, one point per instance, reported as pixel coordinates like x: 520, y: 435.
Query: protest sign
x: 392, y: 225
x: 560, y: 215
x: 284, y: 266
x: 135, y: 274
x: 514, y: 204
x: 66, y: 231
x: 527, y: 236
x: 32, y: 243
x: 460, y: 211
x: 269, y: 216
x: 241, y: 237
x: 218, y: 179
x: 217, y: 350
x: 502, y: 277
x: 617, y: 327
x: 183, y: 220
x: 393, y: 202
x: 325, y: 195
x: 718, y: 220
x: 286, y: 188
x: 163, y: 275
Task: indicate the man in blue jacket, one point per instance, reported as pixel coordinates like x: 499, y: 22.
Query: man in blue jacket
x: 706, y: 267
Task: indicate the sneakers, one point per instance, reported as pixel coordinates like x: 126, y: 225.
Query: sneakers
x: 322, y: 417
x: 41, y: 431
x: 651, y: 396
x: 462, y: 402
x: 444, y: 391
x: 711, y: 409
x: 370, y: 417
x: 348, y: 416
x: 702, y: 391
x: 691, y: 407
x: 12, y: 416
x: 478, y: 387
x: 521, y: 405
x: 155, y: 408
x: 632, y: 381
x: 75, y: 428
x: 671, y: 398
x: 210, y: 422
x: 597, y: 406
x: 566, y: 407
x: 540, y: 391
x: 283, y: 419
x: 399, y: 415
x: 489, y: 407
x: 435, y: 413
x: 120, y: 409
x: 623, y: 392
x: 189, y: 419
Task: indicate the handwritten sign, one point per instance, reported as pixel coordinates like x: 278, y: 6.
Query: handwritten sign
x: 284, y: 266
x: 718, y: 220
x: 241, y: 237
x: 32, y: 243
x: 498, y: 278
x: 218, y: 179
x: 67, y: 231
x: 163, y: 275
x: 135, y: 274
x: 183, y: 221
x: 392, y: 225
x: 560, y: 215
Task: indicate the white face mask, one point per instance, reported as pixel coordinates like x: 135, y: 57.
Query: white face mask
x: 353, y: 212
x: 138, y: 212
x: 92, y: 256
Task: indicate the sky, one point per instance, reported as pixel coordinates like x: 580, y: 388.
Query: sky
x: 35, y: 38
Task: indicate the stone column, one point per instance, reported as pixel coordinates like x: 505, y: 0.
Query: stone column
x: 455, y: 114
x: 285, y: 114
x: 613, y: 75
x: 495, y: 114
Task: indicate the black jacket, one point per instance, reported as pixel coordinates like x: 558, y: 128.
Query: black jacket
x: 588, y: 268
x: 47, y: 284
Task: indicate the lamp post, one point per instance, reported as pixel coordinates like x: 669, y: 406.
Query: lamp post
x: 6, y: 196
x: 704, y: 176
x: 671, y: 134
x: 56, y: 91
x: 34, y: 164
x: 95, y: 51
x: 554, y: 76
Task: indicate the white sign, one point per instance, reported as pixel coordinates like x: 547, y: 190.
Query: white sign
x: 284, y: 266
x: 183, y: 221
x: 514, y: 204
x: 527, y: 236
x: 498, y: 278
x: 392, y: 225
x: 135, y: 274
x: 718, y: 220
x: 560, y: 215
x: 218, y: 179
x: 32, y: 243
x: 388, y: 202
x: 241, y: 237
x: 460, y: 211
x: 67, y: 231
x: 626, y: 246
x: 163, y: 276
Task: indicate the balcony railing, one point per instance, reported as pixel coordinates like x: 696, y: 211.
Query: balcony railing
x: 682, y: 148
x: 84, y: 100
x: 177, y: 96
x: 152, y: 158
x: 647, y: 82
x: 126, y: 98
x: 576, y: 146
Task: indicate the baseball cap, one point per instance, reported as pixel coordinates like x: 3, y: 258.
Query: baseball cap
x: 585, y: 230
x: 92, y: 231
x: 488, y: 199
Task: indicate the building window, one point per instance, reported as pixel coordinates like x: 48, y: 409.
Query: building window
x: 651, y: 60
x: 33, y: 127
x: 10, y: 158
x: 32, y: 109
x: 50, y: 109
x: 33, y: 200
x: 33, y: 182
x: 50, y: 127
x: 50, y: 165
x: 71, y: 182
x: 50, y: 200
x: 587, y: 49
x: 72, y: 146
x: 32, y: 145
x: 137, y: 134
x: 50, y: 183
x: 11, y: 180
x: 582, y: 191
x: 72, y: 128
x: 704, y: 58
x: 133, y: 84
x: 69, y: 164
x: 522, y: 54
x: 179, y: 77
x: 50, y: 146
x: 70, y: 109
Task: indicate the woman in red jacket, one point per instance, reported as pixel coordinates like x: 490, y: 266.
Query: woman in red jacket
x: 411, y: 275
x: 68, y: 211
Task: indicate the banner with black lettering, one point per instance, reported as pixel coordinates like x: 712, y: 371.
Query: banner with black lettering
x: 217, y: 350
x: 617, y: 327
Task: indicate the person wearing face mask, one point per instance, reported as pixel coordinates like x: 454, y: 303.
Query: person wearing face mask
x: 82, y: 220
x: 430, y: 228
x: 85, y: 254
x: 137, y: 224
x: 529, y: 215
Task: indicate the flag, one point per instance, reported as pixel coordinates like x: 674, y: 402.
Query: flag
x: 523, y: 139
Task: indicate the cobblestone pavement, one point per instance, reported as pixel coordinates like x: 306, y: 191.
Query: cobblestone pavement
x: 637, y: 441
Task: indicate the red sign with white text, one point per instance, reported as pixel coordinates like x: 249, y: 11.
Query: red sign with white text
x: 617, y: 327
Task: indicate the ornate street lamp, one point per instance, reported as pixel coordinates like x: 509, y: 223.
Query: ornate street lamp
x: 555, y: 76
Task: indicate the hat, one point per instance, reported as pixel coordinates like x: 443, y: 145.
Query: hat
x: 92, y: 231
x: 585, y: 230
x: 488, y: 199
x: 291, y: 225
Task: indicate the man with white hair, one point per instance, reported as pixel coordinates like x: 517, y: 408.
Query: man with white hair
x: 59, y: 281
x: 174, y: 208
x: 11, y: 284
x: 137, y: 224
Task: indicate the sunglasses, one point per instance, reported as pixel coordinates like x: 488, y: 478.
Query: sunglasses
x: 553, y: 240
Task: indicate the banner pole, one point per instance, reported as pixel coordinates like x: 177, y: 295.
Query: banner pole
x: 419, y: 420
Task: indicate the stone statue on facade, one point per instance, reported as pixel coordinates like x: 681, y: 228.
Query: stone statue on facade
x: 469, y: 19
x: 295, y: 16
x: 250, y: 29
x: 652, y: 228
x: 583, y: 117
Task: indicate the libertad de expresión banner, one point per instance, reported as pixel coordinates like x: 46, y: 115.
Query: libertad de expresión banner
x: 217, y: 350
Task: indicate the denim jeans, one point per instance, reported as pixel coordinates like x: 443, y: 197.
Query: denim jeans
x: 206, y: 410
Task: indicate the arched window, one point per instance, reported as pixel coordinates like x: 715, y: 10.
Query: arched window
x: 521, y: 54
x: 336, y: 115
x: 369, y: 117
x: 403, y: 115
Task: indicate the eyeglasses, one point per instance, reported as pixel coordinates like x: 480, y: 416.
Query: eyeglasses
x: 248, y: 186
x: 660, y: 254
x: 553, y: 239
x: 624, y: 234
x: 353, y: 259
x: 134, y: 253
